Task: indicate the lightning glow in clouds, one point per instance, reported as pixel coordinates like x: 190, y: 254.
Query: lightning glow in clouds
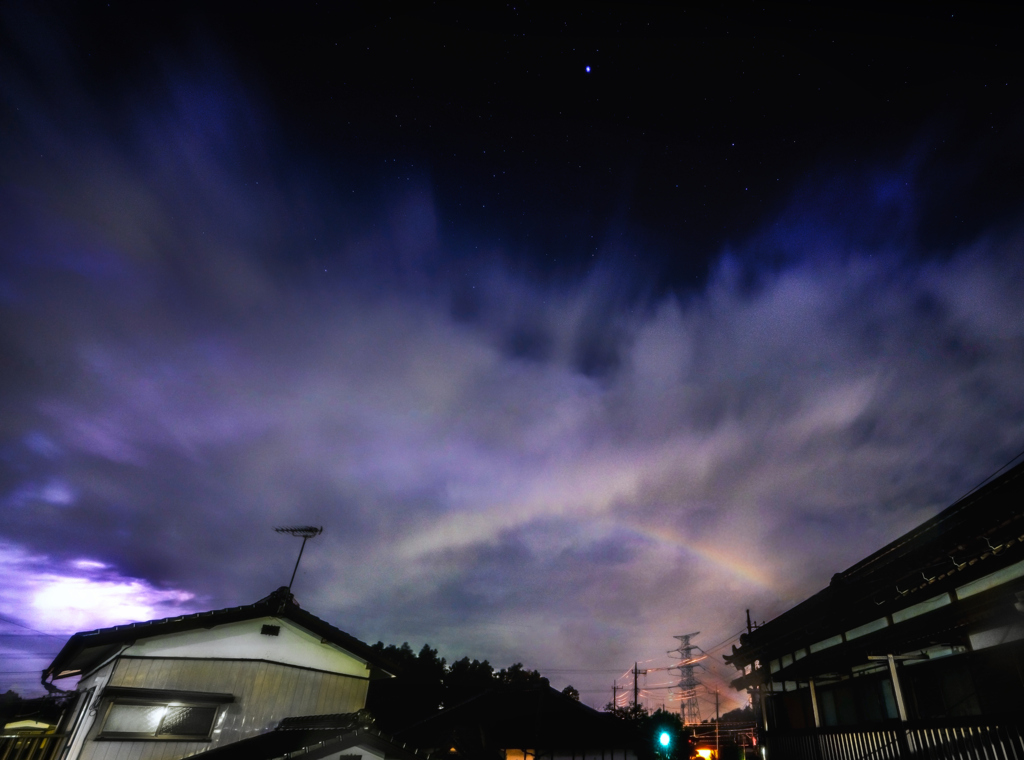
x: 512, y: 465
x: 86, y: 595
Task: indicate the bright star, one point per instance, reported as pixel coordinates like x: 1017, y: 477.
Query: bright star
x: 588, y: 69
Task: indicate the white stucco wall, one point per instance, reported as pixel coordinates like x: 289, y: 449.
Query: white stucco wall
x: 293, y: 646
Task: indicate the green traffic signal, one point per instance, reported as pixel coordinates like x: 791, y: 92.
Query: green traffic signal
x: 664, y: 739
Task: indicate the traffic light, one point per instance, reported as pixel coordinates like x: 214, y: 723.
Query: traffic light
x: 664, y: 740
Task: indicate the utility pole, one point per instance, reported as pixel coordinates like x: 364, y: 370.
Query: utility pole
x: 636, y: 684
x: 615, y: 696
x: 717, y: 721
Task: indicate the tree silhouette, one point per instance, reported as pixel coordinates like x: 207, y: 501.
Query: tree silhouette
x: 426, y: 684
x: 466, y: 678
x: 649, y: 726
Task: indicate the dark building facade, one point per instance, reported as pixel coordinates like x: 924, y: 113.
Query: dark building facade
x: 531, y: 722
x: 915, y: 651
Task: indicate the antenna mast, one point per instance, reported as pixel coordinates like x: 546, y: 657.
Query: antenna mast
x: 305, y: 532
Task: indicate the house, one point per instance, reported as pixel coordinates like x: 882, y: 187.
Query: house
x: 524, y: 722
x: 916, y: 650
x: 317, y: 737
x: 29, y: 727
x: 199, y: 684
x: 27, y: 717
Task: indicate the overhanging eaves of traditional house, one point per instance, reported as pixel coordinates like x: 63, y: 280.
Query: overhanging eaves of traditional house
x: 930, y: 627
x: 86, y: 650
x: 171, y: 688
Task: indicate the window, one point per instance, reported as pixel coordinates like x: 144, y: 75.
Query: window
x: 160, y: 714
x: 128, y: 720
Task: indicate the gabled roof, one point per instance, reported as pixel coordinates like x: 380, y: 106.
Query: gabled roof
x: 88, y: 649
x: 314, y: 736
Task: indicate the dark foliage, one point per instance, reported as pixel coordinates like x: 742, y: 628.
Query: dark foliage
x: 427, y: 684
x: 739, y: 715
x: 650, y: 726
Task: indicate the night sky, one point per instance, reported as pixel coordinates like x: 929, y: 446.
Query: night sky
x: 575, y: 329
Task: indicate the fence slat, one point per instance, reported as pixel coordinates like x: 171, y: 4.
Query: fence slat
x: 958, y: 739
x: 40, y: 747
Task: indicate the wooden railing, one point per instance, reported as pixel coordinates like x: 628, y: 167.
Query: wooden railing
x: 952, y: 739
x: 37, y: 747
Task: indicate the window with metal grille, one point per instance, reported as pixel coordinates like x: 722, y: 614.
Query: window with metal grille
x: 133, y: 720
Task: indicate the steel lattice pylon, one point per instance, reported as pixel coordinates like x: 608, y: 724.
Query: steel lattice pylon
x: 689, y: 707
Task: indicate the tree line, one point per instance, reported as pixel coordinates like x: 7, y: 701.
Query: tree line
x: 427, y: 684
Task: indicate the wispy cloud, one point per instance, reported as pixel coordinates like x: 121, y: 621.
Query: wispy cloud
x: 509, y: 468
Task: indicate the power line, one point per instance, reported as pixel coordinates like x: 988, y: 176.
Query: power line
x: 986, y: 480
x: 577, y: 670
x: 21, y: 625
x: 718, y: 646
x: 690, y: 708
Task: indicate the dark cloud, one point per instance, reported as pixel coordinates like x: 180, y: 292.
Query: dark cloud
x: 203, y: 340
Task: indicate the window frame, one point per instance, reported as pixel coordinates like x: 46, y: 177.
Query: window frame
x: 105, y: 735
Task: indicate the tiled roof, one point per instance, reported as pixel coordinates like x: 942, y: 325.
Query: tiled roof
x: 86, y: 649
x: 313, y: 736
x: 973, y: 538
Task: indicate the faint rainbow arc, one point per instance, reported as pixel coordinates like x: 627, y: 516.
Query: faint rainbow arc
x: 720, y: 558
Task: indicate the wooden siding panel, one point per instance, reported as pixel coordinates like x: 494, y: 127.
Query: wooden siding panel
x: 338, y: 697
x: 280, y: 693
x: 325, y: 696
x: 288, y: 701
x: 237, y: 679
x: 160, y: 673
x: 257, y: 701
x: 343, y: 696
x: 169, y: 672
x: 121, y: 750
x: 124, y: 672
x: 264, y: 694
x: 298, y: 700
x: 117, y: 674
x: 306, y: 694
x: 305, y: 685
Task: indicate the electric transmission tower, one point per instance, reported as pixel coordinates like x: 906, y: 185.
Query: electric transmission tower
x: 688, y: 683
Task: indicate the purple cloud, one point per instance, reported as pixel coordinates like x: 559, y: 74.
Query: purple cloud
x: 559, y: 474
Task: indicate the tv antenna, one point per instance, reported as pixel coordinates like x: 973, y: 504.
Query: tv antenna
x: 305, y: 532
